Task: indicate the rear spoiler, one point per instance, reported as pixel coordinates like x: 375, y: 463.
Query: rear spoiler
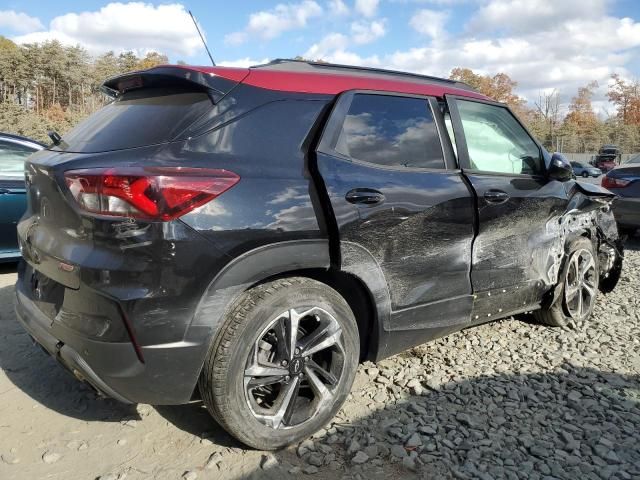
x: 218, y: 81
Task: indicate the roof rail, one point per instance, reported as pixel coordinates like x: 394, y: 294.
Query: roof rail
x: 308, y: 65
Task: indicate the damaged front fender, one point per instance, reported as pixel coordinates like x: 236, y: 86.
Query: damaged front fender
x: 588, y: 214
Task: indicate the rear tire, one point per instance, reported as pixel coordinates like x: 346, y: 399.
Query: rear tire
x: 585, y: 174
x: 578, y: 283
x: 282, y: 364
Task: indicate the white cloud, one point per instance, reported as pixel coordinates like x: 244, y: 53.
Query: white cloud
x: 272, y: 23
x: 19, y: 22
x: 367, y: 32
x: 242, y: 62
x: 328, y: 45
x: 136, y: 26
x: 566, y: 55
x: 338, y: 8
x: 429, y: 22
x: 533, y: 15
x: 367, y: 8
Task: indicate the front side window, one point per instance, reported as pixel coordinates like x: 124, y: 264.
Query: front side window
x: 497, y: 142
x: 392, y: 131
x: 12, y: 157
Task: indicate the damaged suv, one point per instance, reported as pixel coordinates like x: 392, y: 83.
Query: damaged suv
x: 250, y: 235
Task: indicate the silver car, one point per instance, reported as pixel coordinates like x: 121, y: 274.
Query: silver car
x: 582, y: 170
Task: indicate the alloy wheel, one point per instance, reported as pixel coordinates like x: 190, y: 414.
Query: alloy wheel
x: 580, y: 287
x: 294, y: 367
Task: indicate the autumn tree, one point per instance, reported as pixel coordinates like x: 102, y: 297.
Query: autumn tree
x: 499, y: 87
x: 625, y: 95
x: 581, y: 126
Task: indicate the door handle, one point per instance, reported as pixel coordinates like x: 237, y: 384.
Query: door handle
x: 366, y: 196
x: 496, y: 196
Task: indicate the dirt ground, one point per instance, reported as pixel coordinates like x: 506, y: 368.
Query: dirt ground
x: 509, y: 399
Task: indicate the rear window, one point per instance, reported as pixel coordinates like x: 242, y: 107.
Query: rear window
x: 138, y: 118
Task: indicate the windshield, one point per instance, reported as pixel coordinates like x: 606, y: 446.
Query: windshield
x: 137, y: 118
x: 12, y: 157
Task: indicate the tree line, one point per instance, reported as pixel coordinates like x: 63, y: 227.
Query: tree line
x: 50, y: 86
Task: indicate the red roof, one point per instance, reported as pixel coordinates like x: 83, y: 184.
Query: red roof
x: 329, y: 83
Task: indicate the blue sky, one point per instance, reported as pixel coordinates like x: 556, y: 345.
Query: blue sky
x: 542, y: 44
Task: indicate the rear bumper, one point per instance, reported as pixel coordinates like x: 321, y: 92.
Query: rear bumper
x: 168, y: 375
x: 627, y: 211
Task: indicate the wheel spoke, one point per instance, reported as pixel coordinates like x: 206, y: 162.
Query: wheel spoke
x: 286, y: 402
x: 571, y: 292
x: 590, y: 289
x: 319, y: 389
x: 328, y: 376
x: 580, y: 306
x: 256, y: 382
x: 292, y: 331
x: 330, y: 338
x: 587, y: 264
x: 265, y: 371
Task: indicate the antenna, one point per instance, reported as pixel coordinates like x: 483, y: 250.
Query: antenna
x: 202, y: 38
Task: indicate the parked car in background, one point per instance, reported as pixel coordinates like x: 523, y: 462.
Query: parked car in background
x: 624, y: 181
x: 584, y: 170
x: 13, y: 201
x: 253, y: 234
x: 608, y: 158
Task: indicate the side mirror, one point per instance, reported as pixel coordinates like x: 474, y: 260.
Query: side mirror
x: 559, y: 168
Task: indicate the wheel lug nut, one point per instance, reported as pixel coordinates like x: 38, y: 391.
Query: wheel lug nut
x: 284, y: 363
x: 287, y: 378
x: 297, y: 351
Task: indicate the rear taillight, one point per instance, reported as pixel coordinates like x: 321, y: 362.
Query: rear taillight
x: 153, y: 193
x: 611, y: 182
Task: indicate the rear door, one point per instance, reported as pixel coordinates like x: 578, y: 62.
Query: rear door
x: 398, y: 198
x: 518, y: 207
x: 12, y: 192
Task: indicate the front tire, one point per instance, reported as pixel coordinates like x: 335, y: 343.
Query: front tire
x: 585, y: 174
x: 282, y: 364
x: 579, y: 283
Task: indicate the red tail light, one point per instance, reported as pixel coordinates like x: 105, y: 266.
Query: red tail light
x: 153, y: 193
x: 611, y: 182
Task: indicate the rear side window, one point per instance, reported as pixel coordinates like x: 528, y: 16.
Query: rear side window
x: 138, y: 118
x: 392, y: 131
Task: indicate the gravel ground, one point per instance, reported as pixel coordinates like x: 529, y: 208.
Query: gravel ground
x: 509, y: 399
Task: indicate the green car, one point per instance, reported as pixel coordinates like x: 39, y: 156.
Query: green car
x: 13, y: 202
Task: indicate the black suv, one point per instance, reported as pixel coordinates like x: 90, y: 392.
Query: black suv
x: 250, y: 235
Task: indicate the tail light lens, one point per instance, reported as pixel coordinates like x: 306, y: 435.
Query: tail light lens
x: 611, y: 182
x: 153, y: 193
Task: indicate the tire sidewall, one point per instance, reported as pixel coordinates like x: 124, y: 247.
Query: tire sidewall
x: 306, y: 293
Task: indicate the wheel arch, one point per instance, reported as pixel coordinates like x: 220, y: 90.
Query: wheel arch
x: 308, y: 258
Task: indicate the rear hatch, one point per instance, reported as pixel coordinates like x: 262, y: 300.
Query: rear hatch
x: 151, y: 111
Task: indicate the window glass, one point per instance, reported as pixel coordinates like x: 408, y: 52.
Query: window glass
x: 452, y: 137
x: 12, y: 157
x: 139, y: 117
x: 389, y: 130
x: 496, y: 141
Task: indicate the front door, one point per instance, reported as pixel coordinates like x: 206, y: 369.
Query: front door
x: 518, y: 207
x: 398, y: 199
